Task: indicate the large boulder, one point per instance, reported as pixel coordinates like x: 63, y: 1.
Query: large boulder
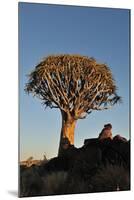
x: 92, y: 160
x: 116, y: 151
x: 93, y: 153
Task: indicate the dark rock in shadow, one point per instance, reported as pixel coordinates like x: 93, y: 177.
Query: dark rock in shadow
x: 81, y: 169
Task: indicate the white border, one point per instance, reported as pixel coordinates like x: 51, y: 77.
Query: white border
x: 9, y: 96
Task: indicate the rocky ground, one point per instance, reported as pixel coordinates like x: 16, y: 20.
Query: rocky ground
x: 98, y: 166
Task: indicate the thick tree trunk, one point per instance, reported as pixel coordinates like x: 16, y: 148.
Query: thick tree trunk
x: 67, y: 130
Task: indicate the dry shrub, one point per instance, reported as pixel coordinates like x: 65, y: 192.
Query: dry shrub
x: 30, y: 183
x: 110, y: 178
x: 54, y: 183
x: 76, y: 186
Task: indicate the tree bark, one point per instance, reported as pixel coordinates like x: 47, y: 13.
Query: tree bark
x: 67, y: 130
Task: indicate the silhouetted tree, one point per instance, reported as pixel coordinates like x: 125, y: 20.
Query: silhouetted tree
x: 30, y: 158
x: 76, y: 85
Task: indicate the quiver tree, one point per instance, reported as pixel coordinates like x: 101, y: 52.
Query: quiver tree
x: 76, y: 85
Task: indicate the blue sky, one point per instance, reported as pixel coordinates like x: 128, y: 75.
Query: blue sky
x: 95, y: 32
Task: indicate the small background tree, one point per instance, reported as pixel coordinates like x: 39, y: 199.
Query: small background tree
x: 29, y: 160
x: 76, y: 85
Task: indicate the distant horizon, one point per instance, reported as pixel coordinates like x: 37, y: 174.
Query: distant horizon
x: 102, y: 33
